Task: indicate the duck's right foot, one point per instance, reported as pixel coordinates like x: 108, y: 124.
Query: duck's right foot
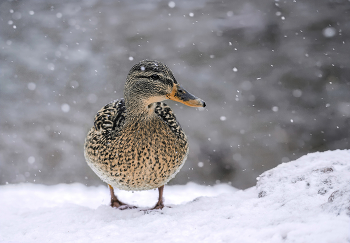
x: 115, y: 203
x: 120, y: 205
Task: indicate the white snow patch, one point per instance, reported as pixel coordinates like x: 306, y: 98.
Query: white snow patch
x: 318, y: 182
x: 222, y: 118
x: 31, y: 159
x: 31, y: 86
x: 306, y: 200
x: 329, y: 32
x: 65, y: 107
x: 297, y: 93
x: 74, y: 84
x: 171, y: 4
x: 51, y: 66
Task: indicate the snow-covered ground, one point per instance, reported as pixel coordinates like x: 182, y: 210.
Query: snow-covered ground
x: 307, y: 200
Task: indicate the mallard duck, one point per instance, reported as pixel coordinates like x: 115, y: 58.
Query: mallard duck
x: 136, y: 143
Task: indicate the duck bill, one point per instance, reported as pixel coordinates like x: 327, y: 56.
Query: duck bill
x: 181, y: 95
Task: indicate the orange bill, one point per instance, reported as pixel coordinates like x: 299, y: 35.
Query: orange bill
x: 179, y: 94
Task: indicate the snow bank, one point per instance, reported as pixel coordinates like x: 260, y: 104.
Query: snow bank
x: 306, y: 200
x: 317, y: 180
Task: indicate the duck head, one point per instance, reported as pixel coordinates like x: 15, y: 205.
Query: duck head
x: 151, y: 81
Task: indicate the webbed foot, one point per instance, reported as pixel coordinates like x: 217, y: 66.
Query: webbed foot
x: 115, y: 203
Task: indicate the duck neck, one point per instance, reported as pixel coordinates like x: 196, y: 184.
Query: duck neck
x: 137, y: 108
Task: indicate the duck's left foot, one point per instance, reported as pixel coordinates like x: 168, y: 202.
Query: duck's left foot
x: 158, y: 206
x: 160, y: 203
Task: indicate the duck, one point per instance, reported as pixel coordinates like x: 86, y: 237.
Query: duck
x: 136, y: 143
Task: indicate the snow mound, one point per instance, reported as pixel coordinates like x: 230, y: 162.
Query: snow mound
x: 314, y: 180
x: 306, y: 200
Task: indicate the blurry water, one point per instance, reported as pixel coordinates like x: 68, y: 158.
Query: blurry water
x: 274, y: 75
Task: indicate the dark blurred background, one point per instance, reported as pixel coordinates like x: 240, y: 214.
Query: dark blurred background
x: 275, y: 76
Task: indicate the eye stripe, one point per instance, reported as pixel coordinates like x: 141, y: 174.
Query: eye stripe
x: 161, y: 78
x: 142, y: 76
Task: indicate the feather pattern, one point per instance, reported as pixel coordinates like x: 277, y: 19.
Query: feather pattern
x: 139, y: 155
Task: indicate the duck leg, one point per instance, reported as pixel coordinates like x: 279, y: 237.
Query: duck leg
x: 115, y: 203
x: 160, y: 203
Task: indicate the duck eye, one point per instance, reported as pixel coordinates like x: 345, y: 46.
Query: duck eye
x: 155, y: 77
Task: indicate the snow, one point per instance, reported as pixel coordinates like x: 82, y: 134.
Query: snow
x: 329, y: 32
x: 306, y: 200
x: 171, y: 4
x: 65, y: 107
x: 222, y: 118
x: 31, y: 86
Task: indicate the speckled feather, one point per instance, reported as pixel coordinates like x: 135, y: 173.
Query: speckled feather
x: 136, y: 154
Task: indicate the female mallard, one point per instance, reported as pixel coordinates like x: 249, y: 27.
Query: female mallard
x: 136, y: 143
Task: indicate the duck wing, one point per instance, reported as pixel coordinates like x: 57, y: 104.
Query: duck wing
x: 166, y: 114
x: 110, y: 119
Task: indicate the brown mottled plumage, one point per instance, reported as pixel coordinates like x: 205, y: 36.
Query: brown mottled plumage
x: 136, y: 143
